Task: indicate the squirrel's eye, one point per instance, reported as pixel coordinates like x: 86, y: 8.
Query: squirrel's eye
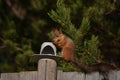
x: 58, y: 40
x: 57, y: 36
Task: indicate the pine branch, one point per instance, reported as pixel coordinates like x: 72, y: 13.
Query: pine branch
x: 93, y: 57
x: 62, y: 16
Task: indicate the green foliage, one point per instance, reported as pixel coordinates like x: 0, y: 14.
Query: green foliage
x: 38, y: 5
x: 22, y: 37
x: 15, y: 57
x: 81, y: 32
x: 89, y: 51
x: 92, y: 24
x: 23, y: 58
x: 62, y: 16
x: 66, y: 66
x: 37, y: 25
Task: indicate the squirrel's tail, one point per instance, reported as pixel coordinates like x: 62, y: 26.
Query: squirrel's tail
x: 101, y: 67
x: 84, y: 67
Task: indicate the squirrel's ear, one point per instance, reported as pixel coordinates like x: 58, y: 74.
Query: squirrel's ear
x: 60, y: 31
x: 57, y: 31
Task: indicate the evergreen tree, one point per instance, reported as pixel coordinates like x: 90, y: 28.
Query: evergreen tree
x: 88, y: 31
x: 23, y: 26
x: 86, y: 49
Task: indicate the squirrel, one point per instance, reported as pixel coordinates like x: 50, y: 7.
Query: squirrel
x: 64, y: 42
x: 68, y: 54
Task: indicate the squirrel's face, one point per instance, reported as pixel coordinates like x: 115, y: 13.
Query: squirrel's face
x: 58, y: 37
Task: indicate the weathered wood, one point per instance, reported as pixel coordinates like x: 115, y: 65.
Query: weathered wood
x: 59, y: 75
x: 118, y: 75
x: 51, y: 70
x: 28, y: 75
x: 41, y: 69
x: 10, y: 76
x: 70, y: 76
x: 47, y: 69
x: 112, y: 75
x: 92, y: 76
x: 33, y: 75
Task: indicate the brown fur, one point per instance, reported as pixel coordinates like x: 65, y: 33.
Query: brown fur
x: 67, y: 45
x: 101, y: 67
x: 68, y: 53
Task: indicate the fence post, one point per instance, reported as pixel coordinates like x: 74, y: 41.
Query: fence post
x: 47, y: 65
x: 47, y: 69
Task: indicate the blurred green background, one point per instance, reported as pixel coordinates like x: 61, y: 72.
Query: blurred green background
x: 93, y: 25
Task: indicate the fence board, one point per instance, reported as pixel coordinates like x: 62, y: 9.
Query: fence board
x: 118, y: 75
x: 10, y: 76
x: 79, y: 76
x: 28, y: 75
x: 32, y: 75
x: 47, y: 69
x: 92, y: 76
x: 68, y: 75
x: 112, y: 75
x: 59, y: 75
x: 72, y: 76
x: 41, y: 69
x: 51, y: 71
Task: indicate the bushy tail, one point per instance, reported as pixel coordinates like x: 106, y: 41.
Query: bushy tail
x: 101, y: 67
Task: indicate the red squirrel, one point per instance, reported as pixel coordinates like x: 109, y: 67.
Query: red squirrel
x: 64, y: 42
x: 68, y: 53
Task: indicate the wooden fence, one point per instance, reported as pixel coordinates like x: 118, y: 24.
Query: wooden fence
x: 32, y: 75
x: 47, y: 70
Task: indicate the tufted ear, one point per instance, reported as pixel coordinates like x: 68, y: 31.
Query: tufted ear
x: 57, y: 31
